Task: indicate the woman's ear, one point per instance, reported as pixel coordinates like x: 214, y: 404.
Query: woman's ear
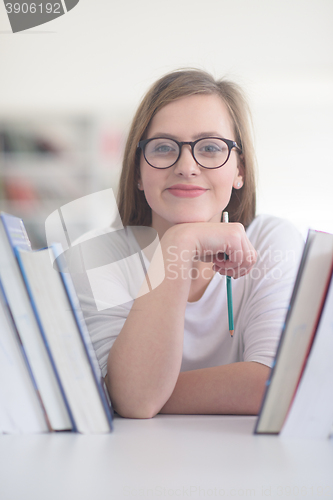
x: 240, y: 173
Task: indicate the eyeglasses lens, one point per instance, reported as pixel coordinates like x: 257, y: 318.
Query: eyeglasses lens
x: 210, y: 152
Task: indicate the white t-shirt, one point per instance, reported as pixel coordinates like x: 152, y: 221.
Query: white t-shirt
x: 260, y: 299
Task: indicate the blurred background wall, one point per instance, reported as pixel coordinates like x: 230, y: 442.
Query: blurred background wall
x: 68, y: 90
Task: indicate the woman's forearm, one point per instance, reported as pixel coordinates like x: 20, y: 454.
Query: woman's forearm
x: 144, y: 362
x: 236, y: 389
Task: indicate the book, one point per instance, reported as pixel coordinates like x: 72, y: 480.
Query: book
x: 300, y: 326
x: 311, y: 414
x: 22, y: 410
x: 13, y: 235
x: 64, y: 331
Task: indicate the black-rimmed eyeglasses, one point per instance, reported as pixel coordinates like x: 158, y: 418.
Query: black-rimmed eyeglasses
x: 209, y: 152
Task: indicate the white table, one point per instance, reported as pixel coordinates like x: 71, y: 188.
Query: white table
x: 166, y: 457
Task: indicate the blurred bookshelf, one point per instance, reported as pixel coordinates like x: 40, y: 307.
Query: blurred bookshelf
x: 48, y: 161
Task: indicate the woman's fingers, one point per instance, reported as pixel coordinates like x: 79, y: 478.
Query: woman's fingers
x: 236, y: 265
x: 232, y: 253
x: 225, y: 245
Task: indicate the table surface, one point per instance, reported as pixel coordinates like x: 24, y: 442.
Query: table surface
x: 169, y: 456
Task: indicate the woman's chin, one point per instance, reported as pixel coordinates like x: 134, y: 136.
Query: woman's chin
x: 197, y: 218
x: 163, y: 223
x: 190, y: 221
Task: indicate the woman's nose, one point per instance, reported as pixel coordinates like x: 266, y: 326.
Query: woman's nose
x: 186, y: 165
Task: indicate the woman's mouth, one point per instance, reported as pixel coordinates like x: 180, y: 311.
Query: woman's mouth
x: 186, y: 190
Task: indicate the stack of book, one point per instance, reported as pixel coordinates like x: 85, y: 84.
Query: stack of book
x: 299, y: 396
x: 50, y: 378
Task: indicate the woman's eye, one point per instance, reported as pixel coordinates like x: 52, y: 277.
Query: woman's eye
x: 164, y: 148
x: 210, y: 148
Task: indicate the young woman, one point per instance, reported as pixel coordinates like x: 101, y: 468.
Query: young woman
x: 188, y: 158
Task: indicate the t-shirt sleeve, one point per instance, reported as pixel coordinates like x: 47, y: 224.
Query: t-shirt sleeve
x: 268, y: 288
x: 103, y: 325
x: 106, y: 292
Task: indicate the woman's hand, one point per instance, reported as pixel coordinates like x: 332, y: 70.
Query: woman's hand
x: 225, y: 245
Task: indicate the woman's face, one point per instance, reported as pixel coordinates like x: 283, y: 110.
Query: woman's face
x: 188, y: 119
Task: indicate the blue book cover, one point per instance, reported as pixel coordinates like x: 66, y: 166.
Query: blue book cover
x: 17, y: 250
x: 16, y: 232
x: 13, y: 237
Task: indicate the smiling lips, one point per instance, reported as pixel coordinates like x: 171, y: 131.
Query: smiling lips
x: 186, y: 190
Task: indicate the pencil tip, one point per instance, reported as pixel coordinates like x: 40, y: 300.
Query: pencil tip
x: 231, y: 333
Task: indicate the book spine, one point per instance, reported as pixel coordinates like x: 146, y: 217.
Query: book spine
x: 17, y: 339
x: 89, y: 350
x: 47, y: 346
x: 312, y: 339
x: 283, y: 333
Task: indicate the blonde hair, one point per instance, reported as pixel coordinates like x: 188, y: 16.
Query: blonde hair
x: 133, y: 207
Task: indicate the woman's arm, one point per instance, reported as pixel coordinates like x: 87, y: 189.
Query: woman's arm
x: 144, y: 362
x: 235, y: 389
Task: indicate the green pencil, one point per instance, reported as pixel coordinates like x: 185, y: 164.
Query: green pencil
x: 225, y: 218
x: 230, y: 308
